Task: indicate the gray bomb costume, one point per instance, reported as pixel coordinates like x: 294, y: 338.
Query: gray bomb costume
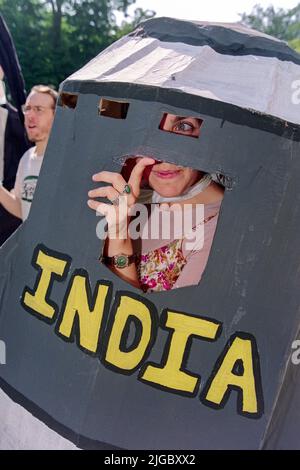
x: 153, y: 377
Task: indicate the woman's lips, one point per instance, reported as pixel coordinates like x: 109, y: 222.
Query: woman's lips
x: 167, y: 174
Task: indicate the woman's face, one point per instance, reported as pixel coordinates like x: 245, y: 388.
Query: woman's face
x: 168, y: 179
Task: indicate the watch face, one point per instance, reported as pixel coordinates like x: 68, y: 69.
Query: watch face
x: 121, y: 261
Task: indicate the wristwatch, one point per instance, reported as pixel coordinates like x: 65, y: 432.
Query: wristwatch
x: 119, y: 261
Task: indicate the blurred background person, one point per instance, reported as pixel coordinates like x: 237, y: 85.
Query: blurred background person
x: 39, y: 115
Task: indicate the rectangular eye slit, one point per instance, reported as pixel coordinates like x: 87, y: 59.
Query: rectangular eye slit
x: 68, y: 100
x: 188, y: 126
x: 113, y: 109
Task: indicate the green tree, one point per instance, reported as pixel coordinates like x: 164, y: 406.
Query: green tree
x: 54, y: 38
x: 26, y: 20
x: 295, y: 44
x: 281, y: 23
x: 139, y: 16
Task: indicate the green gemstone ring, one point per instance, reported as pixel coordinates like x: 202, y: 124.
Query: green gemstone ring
x: 127, y: 189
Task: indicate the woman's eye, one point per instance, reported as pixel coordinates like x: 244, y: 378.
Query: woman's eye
x: 184, y: 127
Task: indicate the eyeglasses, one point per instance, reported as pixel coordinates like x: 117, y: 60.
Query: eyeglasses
x: 36, y: 109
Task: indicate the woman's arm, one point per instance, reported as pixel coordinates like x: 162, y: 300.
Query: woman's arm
x: 10, y: 202
x: 117, y: 215
x: 115, y: 247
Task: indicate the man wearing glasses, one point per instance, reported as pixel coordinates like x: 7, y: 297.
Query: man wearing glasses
x: 39, y: 114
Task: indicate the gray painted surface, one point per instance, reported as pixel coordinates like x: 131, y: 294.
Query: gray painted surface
x: 250, y: 285
x: 225, y: 38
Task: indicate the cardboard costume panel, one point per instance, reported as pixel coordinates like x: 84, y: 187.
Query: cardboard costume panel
x: 96, y: 360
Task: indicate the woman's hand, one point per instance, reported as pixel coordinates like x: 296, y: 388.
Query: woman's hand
x: 117, y: 213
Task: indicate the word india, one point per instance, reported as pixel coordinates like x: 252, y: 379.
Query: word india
x: 103, y: 331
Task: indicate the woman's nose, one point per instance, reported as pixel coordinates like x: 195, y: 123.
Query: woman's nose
x: 165, y: 166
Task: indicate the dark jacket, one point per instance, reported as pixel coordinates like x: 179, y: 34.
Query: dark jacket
x: 15, y: 145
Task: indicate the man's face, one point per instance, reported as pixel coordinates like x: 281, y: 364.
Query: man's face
x: 39, y: 116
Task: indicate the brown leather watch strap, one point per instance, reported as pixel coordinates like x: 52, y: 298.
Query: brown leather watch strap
x: 120, y: 260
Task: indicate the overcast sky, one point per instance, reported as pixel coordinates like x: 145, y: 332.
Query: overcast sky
x: 209, y: 10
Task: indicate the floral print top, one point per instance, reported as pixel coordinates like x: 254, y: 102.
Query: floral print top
x: 159, y: 269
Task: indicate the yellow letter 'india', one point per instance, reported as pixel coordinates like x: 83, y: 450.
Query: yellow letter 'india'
x: 50, y: 267
x: 240, y: 351
x: 129, y: 308
x: 171, y: 374
x: 90, y: 317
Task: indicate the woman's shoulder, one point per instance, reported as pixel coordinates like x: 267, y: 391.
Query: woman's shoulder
x: 213, y: 207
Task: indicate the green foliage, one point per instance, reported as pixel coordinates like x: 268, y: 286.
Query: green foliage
x: 283, y: 24
x: 54, y: 38
x: 295, y: 44
x: 139, y: 16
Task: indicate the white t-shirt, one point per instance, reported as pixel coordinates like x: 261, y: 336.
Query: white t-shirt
x: 26, y: 179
